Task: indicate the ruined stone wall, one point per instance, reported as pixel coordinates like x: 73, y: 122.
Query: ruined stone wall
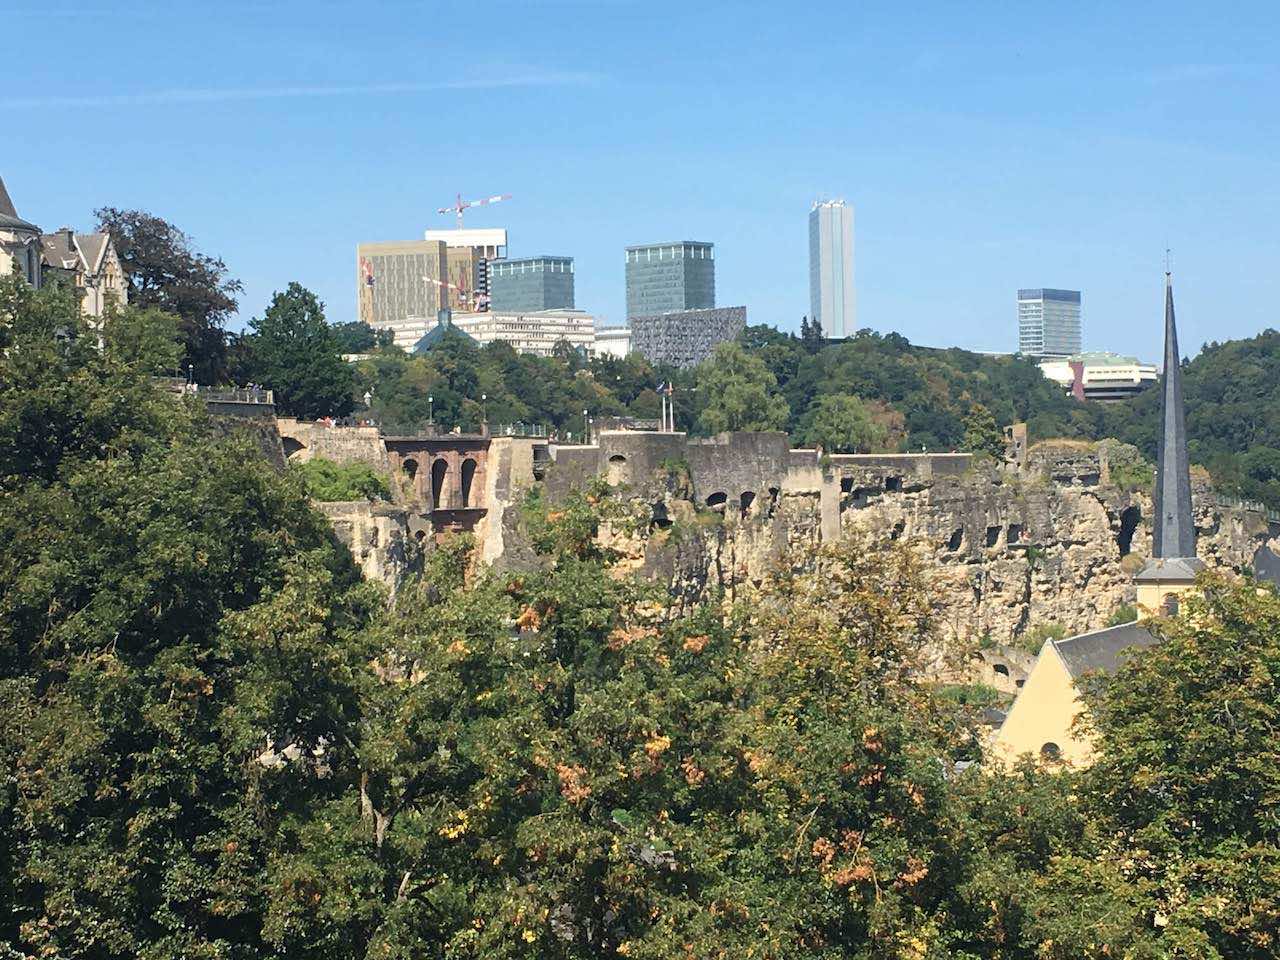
x: 303, y: 440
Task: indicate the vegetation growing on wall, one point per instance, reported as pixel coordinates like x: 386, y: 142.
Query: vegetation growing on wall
x: 329, y: 482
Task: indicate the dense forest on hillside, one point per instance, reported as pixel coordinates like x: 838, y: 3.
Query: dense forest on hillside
x: 218, y: 742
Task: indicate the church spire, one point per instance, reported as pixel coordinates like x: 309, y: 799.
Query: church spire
x: 1175, y: 531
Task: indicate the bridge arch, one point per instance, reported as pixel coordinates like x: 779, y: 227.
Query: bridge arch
x: 439, y: 481
x: 468, y: 479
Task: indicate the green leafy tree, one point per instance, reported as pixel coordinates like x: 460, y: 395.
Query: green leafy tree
x: 178, y: 640
x: 1185, y: 792
x: 841, y: 423
x: 164, y: 271
x: 359, y: 337
x: 739, y: 392
x: 293, y: 351
x: 981, y: 432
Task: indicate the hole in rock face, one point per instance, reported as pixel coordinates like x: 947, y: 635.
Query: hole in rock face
x: 897, y: 530
x: 1001, y: 669
x: 846, y: 484
x: 993, y: 535
x: 746, y: 500
x: 660, y: 519
x: 957, y: 538
x: 717, y: 501
x: 893, y: 484
x: 1015, y: 532
x: 1129, y: 520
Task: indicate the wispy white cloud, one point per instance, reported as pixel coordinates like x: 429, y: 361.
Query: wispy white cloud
x: 234, y: 94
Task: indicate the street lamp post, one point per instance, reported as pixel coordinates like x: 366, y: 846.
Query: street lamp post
x: 431, y: 409
x: 586, y: 431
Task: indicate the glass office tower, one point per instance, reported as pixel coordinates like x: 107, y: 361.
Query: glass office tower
x: 665, y: 277
x: 1049, y: 323
x: 832, y: 300
x: 531, y: 283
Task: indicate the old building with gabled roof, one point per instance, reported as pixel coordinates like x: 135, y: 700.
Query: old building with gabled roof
x: 90, y: 262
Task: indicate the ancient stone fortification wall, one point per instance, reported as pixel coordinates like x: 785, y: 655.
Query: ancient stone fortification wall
x: 1008, y: 550
x: 1055, y: 543
x: 302, y: 441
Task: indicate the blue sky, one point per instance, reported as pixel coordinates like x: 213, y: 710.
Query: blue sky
x: 985, y: 146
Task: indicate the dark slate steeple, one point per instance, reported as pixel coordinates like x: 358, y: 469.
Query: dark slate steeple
x: 1175, y: 531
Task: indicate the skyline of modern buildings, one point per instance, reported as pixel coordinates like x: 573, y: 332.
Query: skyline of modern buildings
x: 1049, y: 322
x: 832, y: 296
x: 666, y: 277
x: 531, y: 283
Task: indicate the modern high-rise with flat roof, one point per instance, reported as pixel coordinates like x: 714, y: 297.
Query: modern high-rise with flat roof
x: 531, y: 283
x: 1049, y: 322
x: 832, y: 300
x: 664, y: 277
x: 399, y: 280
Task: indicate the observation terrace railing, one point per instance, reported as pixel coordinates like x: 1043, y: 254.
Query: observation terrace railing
x: 1252, y: 506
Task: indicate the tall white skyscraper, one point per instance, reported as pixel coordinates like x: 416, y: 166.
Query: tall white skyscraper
x: 832, y: 302
x: 1048, y: 322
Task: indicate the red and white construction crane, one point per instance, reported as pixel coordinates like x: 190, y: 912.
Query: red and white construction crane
x: 460, y: 205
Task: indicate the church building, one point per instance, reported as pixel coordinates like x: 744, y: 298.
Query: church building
x: 1041, y: 718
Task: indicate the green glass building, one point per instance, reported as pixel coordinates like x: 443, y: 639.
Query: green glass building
x: 529, y: 284
x: 665, y: 277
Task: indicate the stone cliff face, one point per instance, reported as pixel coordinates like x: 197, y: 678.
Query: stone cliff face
x: 1054, y: 544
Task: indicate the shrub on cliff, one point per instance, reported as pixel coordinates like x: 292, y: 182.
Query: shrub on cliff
x: 328, y: 482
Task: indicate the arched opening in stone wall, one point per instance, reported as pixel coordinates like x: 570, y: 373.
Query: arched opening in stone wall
x: 744, y: 502
x: 1001, y: 669
x: 717, y: 501
x: 439, y: 474
x: 1129, y: 520
x: 1015, y: 532
x: 893, y: 484
x: 956, y: 540
x: 617, y: 469
x: 468, y: 477
x: 774, y: 494
x: 410, y: 468
x: 291, y: 446
x: 1051, y: 752
x: 993, y: 536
